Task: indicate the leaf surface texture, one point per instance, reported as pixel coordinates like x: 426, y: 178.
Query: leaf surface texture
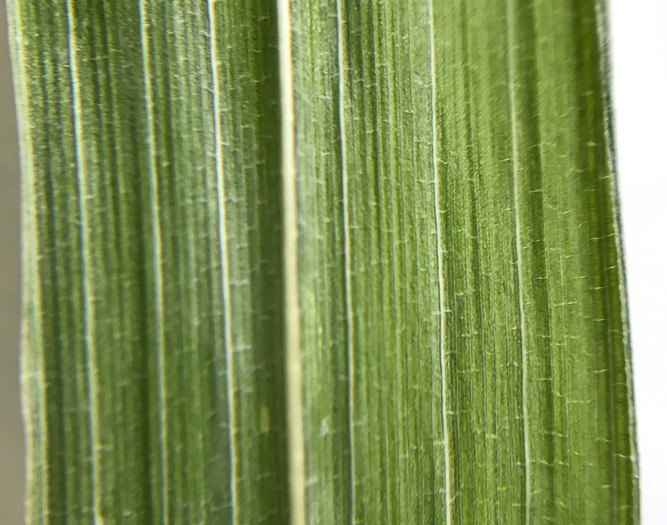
x: 321, y: 262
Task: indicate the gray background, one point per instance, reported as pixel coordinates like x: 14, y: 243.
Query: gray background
x: 11, y: 428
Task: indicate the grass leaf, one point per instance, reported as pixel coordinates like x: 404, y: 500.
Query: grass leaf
x: 321, y: 262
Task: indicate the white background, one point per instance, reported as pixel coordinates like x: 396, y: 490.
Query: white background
x: 639, y: 61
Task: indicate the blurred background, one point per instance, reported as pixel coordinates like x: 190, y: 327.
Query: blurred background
x: 11, y: 432
x: 639, y: 57
x: 639, y: 61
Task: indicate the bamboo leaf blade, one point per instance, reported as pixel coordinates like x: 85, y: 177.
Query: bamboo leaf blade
x: 431, y: 181
x: 514, y: 271
x: 129, y: 382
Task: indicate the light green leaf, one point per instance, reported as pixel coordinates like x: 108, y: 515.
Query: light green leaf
x: 321, y: 262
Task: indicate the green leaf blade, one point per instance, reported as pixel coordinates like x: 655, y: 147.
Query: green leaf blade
x: 523, y: 246
x: 431, y: 181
